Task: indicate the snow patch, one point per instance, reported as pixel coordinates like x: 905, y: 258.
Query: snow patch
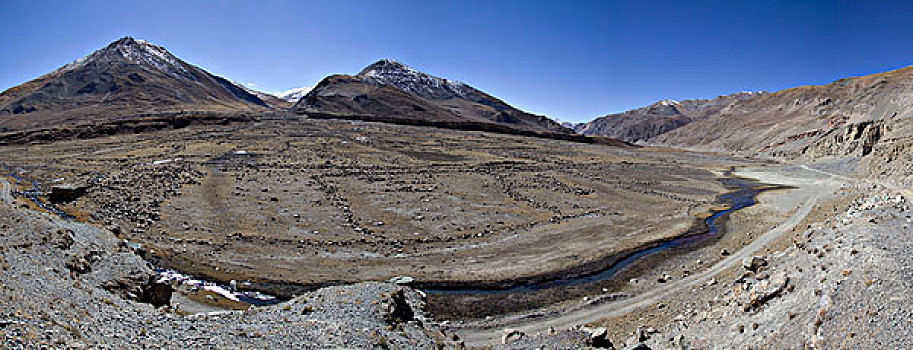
x: 403, y: 77
x: 295, y: 94
x: 139, y: 52
x: 256, y: 298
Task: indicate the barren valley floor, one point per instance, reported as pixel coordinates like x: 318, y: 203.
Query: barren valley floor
x: 308, y: 203
x: 289, y: 206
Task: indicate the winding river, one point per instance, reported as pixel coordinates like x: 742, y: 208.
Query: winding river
x: 742, y: 195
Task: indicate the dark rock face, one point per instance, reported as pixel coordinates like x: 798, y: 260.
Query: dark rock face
x: 397, y: 309
x: 390, y: 89
x: 157, y: 293
x: 66, y: 193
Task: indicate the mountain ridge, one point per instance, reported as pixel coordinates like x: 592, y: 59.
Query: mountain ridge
x: 126, y: 77
x: 642, y: 124
x: 391, y: 90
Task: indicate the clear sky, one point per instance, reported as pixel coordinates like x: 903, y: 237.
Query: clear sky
x: 570, y: 60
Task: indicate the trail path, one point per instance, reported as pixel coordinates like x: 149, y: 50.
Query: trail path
x: 5, y: 192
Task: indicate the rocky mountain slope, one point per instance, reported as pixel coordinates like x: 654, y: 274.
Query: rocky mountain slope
x: 390, y: 89
x: 661, y: 117
x: 126, y: 78
x: 861, y: 122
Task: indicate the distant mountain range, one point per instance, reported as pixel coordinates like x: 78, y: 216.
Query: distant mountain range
x: 645, y: 123
x: 133, y: 79
x: 865, y: 119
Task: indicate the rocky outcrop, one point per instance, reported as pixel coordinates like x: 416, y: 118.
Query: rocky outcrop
x: 854, y: 140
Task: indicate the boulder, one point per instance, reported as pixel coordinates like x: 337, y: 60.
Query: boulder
x: 599, y: 338
x: 157, y: 293
x: 66, y: 193
x: 765, y: 290
x: 397, y: 309
x: 511, y: 335
x: 754, y: 263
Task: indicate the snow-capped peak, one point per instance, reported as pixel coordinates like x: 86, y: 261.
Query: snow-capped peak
x: 249, y: 87
x: 293, y: 95
x: 139, y: 52
x: 390, y: 72
x: 668, y: 102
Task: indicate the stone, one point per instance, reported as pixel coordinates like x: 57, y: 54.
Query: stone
x: 599, y: 338
x: 765, y: 290
x: 66, y: 193
x: 754, y: 263
x: 157, y: 293
x: 511, y: 335
x: 397, y: 309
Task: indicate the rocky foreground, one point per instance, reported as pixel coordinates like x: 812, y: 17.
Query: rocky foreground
x: 72, y: 285
x: 77, y: 286
x: 845, y: 283
x: 842, y: 282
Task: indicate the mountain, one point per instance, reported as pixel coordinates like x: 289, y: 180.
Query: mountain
x: 295, y: 94
x: 645, y: 123
x: 569, y: 125
x: 126, y: 78
x: 390, y: 90
x: 271, y: 100
x: 863, y: 124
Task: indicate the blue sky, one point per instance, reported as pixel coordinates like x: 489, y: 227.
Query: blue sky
x: 570, y: 60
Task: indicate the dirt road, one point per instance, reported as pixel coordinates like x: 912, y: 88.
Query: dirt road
x: 811, y: 186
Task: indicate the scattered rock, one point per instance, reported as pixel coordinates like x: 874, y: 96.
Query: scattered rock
x: 511, y: 335
x: 765, y: 290
x: 754, y: 263
x: 599, y: 338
